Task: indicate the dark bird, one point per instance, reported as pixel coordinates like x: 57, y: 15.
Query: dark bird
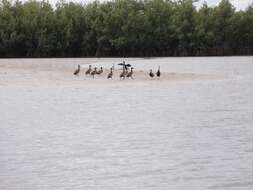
x: 93, y: 72
x: 77, y: 71
x: 126, y: 72
x: 127, y: 65
x: 100, y: 71
x: 123, y: 74
x: 151, y: 74
x: 124, y: 65
x: 130, y: 74
x: 110, y: 74
x: 158, y: 73
x: 88, y: 71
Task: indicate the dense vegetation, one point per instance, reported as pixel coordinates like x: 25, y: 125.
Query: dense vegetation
x: 124, y: 28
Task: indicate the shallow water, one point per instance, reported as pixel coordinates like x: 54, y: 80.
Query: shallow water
x: 178, y: 135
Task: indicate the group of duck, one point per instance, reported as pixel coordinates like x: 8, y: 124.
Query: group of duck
x: 124, y: 74
x: 158, y: 73
x: 89, y: 71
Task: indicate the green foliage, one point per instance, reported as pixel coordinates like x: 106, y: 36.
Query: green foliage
x: 123, y: 28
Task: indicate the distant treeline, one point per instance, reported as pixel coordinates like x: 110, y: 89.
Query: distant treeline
x: 124, y: 28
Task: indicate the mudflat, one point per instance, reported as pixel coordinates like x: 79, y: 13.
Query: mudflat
x: 59, y: 72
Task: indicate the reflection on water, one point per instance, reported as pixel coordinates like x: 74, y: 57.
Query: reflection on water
x: 186, y: 135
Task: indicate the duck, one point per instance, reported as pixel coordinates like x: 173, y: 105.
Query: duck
x: 126, y: 71
x: 100, y: 71
x: 151, y: 74
x: 93, y: 72
x: 88, y: 71
x: 130, y: 74
x: 158, y: 73
x: 77, y: 71
x: 123, y: 74
x: 110, y: 74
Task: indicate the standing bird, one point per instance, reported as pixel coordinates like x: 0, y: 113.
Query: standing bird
x: 158, y: 73
x: 109, y: 76
x: 151, y: 74
x: 123, y: 74
x: 77, y: 71
x: 130, y: 74
x: 100, y: 71
x: 88, y: 71
x: 93, y: 72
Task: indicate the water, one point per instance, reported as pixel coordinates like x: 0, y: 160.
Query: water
x: 182, y: 135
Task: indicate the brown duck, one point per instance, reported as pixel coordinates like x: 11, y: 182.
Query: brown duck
x: 93, y: 72
x: 123, y: 74
x: 77, y: 71
x: 130, y: 74
x: 110, y: 74
x: 100, y: 71
x: 88, y: 71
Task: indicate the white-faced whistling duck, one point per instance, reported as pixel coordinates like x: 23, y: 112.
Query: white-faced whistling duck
x: 130, y: 74
x: 151, y: 74
x: 126, y: 71
x: 158, y: 73
x: 100, y: 71
x: 93, y: 72
x: 123, y: 74
x: 77, y: 71
x: 109, y: 76
x: 88, y: 71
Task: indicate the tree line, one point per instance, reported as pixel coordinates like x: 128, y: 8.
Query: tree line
x: 124, y: 28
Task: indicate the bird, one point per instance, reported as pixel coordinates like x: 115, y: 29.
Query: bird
x: 94, y: 72
x: 130, y: 74
x: 88, y: 71
x: 100, y: 71
x: 158, y: 73
x: 124, y: 65
x: 109, y: 76
x: 123, y: 74
x: 126, y: 72
x: 77, y: 71
x: 151, y: 74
